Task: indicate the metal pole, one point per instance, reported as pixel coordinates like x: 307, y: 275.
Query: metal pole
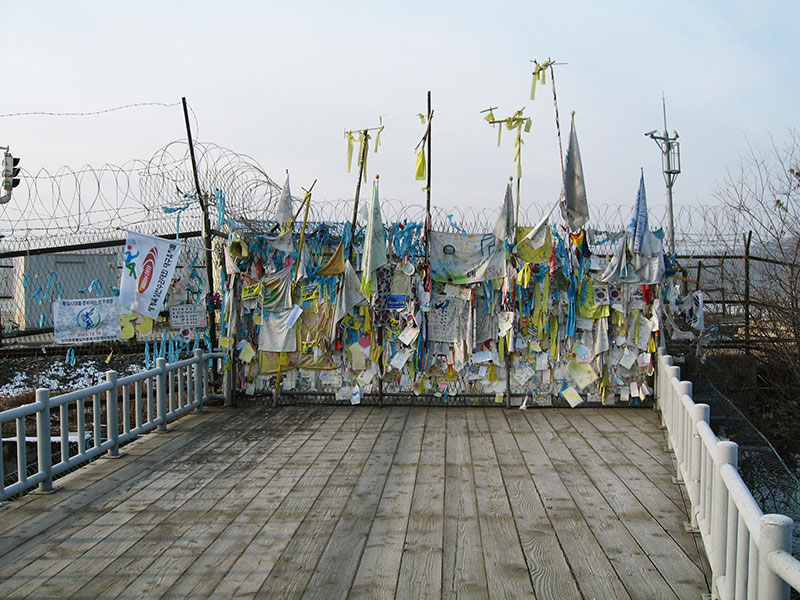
x: 747, y: 292
x: 428, y: 185
x: 427, y: 220
x: 670, y: 179
x: 44, y: 447
x: 212, y: 321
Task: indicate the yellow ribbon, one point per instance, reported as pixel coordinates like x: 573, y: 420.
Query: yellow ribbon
x: 524, y: 275
x: 539, y: 75
x: 350, y: 142
x: 421, y: 172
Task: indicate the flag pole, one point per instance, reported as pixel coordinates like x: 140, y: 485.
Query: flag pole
x: 427, y: 221
x: 362, y: 161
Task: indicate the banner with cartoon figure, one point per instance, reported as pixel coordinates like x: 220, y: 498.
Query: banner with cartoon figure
x: 148, y: 266
x: 86, y: 320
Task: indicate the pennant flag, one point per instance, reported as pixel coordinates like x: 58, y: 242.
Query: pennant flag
x: 149, y: 264
x: 335, y: 266
x: 574, y: 208
x: 504, y: 227
x: 638, y: 227
x: 283, y: 210
x: 374, y: 243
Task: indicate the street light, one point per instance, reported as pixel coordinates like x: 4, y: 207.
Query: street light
x: 671, y: 158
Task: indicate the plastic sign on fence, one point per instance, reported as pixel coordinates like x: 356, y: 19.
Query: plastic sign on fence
x: 86, y: 320
x: 187, y: 315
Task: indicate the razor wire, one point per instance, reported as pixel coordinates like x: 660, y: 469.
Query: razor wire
x: 84, y: 205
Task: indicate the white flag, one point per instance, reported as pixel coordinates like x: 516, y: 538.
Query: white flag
x: 504, y: 226
x: 283, y: 210
x: 148, y: 266
x: 374, y: 255
x: 574, y: 208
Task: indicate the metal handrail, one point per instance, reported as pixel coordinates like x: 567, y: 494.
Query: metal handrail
x: 749, y: 552
x: 164, y: 400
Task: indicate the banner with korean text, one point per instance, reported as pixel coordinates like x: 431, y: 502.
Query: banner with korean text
x: 148, y: 266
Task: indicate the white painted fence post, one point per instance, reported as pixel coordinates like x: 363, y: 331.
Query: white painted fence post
x: 112, y: 413
x: 776, y: 534
x: 161, y: 393
x: 700, y: 414
x: 726, y: 454
x: 198, y: 368
x: 44, y: 449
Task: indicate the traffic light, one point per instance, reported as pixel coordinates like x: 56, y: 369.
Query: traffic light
x: 10, y: 172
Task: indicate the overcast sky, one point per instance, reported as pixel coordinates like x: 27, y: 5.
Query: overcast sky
x: 282, y: 81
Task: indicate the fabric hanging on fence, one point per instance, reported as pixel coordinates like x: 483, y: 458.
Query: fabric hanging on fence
x: 348, y: 297
x: 334, y: 266
x: 282, y: 242
x: 450, y: 319
x: 374, y: 255
x: 274, y: 335
x: 149, y: 264
x: 533, y: 244
x: 649, y: 264
x: 275, y: 291
x: 462, y: 259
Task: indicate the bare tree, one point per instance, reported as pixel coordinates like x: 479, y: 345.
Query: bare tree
x: 761, y: 199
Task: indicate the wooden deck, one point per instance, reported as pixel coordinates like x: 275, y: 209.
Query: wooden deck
x: 325, y: 502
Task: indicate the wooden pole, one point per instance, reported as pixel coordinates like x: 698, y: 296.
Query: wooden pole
x: 212, y: 319
x: 361, y: 165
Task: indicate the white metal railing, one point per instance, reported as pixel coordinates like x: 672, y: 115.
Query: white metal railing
x: 749, y: 552
x: 153, y: 397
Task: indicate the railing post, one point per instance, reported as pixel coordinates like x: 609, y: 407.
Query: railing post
x: 112, y: 413
x: 776, y: 534
x: 726, y: 453
x: 700, y: 414
x: 161, y: 393
x: 228, y: 383
x: 44, y: 447
x: 684, y: 423
x: 198, y: 379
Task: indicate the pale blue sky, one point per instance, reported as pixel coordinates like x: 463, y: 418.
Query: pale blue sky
x: 282, y: 81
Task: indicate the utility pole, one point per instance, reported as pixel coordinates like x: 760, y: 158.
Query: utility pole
x: 212, y: 320
x: 671, y: 158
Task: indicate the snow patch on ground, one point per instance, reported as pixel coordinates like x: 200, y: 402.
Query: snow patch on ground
x: 61, y: 376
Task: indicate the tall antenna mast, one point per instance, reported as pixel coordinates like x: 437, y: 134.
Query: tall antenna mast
x: 671, y: 160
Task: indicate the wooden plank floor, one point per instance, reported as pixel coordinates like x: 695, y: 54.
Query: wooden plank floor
x: 360, y: 502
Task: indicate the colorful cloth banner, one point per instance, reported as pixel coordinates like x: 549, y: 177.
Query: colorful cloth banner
x: 86, y: 320
x: 149, y: 264
x: 458, y: 258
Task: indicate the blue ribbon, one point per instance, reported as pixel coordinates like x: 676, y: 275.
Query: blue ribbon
x: 572, y: 295
x: 456, y: 227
